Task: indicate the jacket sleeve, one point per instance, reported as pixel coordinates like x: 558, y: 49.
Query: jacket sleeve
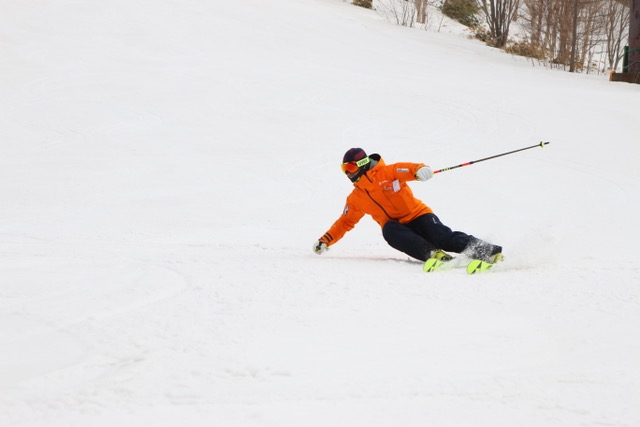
x: 349, y: 218
x: 405, y: 171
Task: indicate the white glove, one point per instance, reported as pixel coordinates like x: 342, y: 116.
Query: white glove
x: 424, y: 173
x: 319, y: 247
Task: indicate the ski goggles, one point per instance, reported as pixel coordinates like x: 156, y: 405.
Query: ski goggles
x: 351, y: 167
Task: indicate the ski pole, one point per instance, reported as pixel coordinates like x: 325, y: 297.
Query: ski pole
x: 542, y: 144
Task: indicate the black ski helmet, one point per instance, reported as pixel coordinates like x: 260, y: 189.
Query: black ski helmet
x: 355, y: 163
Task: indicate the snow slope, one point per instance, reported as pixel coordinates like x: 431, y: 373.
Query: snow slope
x: 166, y: 166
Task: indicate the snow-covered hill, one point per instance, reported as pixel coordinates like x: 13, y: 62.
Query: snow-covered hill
x: 166, y: 166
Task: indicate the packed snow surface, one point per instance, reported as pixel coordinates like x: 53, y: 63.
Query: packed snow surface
x: 166, y: 166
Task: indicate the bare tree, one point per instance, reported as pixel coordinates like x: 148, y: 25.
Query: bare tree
x: 421, y: 11
x: 499, y: 15
x: 634, y: 37
x: 402, y: 12
x: 587, y: 28
x: 616, y: 27
x: 572, y: 32
x: 534, y: 20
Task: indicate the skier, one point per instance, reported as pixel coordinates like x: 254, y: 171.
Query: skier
x: 408, y: 225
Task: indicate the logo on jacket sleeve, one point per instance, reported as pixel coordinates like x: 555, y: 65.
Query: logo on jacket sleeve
x: 346, y: 210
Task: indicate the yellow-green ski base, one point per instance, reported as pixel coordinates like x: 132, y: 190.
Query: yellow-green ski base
x: 478, y: 266
x: 432, y: 264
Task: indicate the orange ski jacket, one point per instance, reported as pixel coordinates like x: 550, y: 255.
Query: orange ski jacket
x: 383, y: 193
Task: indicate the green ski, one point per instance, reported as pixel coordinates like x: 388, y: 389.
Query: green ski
x: 478, y: 266
x: 432, y: 264
x: 474, y: 266
x: 435, y: 264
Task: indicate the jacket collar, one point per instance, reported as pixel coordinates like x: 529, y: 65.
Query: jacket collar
x: 376, y: 163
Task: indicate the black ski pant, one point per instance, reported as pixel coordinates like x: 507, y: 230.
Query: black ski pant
x: 426, y: 233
